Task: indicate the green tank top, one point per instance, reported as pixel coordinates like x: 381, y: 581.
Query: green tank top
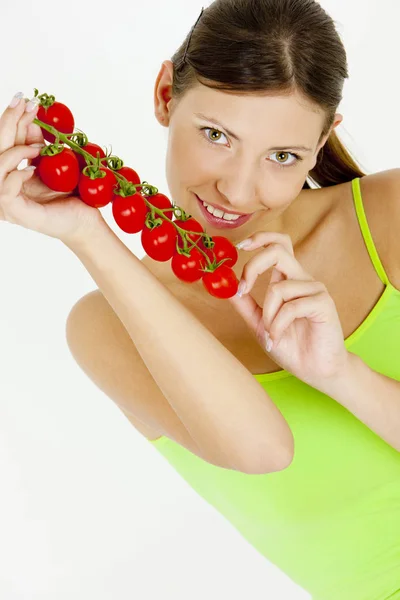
x: 331, y: 520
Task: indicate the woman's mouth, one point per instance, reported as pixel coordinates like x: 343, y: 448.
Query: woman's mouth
x: 219, y: 221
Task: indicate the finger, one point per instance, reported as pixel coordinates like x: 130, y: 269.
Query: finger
x: 10, y: 200
x: 313, y: 307
x: 34, y: 134
x: 282, y: 293
x: 8, y: 125
x: 262, y: 239
x: 10, y: 160
x: 251, y: 313
x: 275, y: 255
x: 23, y: 124
x: 260, y: 319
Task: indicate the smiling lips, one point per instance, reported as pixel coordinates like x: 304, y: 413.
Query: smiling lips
x: 222, y: 223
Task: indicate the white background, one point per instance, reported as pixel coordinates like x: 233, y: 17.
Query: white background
x: 88, y: 508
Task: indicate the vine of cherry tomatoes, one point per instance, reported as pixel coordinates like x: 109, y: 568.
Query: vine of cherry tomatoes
x: 97, y: 182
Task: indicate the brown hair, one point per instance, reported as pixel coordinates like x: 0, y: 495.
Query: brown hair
x: 272, y: 46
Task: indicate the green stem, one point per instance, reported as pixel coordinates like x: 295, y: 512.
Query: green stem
x: 63, y: 138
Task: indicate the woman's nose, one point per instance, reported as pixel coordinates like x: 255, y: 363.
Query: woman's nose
x: 240, y: 187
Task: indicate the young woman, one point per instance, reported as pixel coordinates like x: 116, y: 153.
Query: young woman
x: 298, y: 445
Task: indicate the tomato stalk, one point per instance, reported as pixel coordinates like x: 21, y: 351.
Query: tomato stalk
x: 97, y: 187
x: 57, y: 147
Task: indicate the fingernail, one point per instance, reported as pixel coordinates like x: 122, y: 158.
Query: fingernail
x: 16, y: 99
x: 32, y: 104
x: 268, y: 342
x: 30, y: 168
x: 37, y: 145
x: 241, y: 288
x: 243, y: 244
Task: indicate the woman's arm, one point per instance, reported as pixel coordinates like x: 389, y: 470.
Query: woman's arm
x: 225, y: 410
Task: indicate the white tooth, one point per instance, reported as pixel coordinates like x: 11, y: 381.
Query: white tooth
x: 220, y: 214
x: 216, y: 212
x: 230, y: 217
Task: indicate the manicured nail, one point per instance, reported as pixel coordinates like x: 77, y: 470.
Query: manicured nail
x: 16, y: 99
x: 268, y: 342
x: 243, y: 244
x: 241, y: 288
x: 32, y: 104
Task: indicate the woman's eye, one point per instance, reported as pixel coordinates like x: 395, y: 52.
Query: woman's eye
x: 286, y: 163
x: 210, y: 140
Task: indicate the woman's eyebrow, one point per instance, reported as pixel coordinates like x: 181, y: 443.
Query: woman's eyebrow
x: 273, y: 149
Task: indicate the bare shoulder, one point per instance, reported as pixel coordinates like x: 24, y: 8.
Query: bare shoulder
x: 381, y: 202
x: 381, y: 192
x: 384, y: 182
x: 381, y: 198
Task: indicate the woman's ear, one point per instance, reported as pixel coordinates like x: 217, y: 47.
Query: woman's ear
x: 338, y: 119
x: 163, y: 93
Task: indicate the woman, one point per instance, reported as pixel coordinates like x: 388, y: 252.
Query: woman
x: 298, y: 444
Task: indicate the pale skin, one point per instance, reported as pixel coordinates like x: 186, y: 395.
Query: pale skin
x: 237, y: 204
x: 204, y: 170
x: 241, y: 176
x: 248, y: 175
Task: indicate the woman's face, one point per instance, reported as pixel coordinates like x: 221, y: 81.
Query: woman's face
x: 261, y: 173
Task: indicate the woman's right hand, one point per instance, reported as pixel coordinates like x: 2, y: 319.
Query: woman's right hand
x: 15, y: 143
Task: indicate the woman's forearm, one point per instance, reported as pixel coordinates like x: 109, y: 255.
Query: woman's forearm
x: 225, y: 410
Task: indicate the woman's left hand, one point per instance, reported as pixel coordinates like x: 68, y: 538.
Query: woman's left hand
x: 24, y: 199
x: 298, y: 313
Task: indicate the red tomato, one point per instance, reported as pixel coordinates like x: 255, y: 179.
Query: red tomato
x: 57, y: 115
x: 190, y: 225
x: 35, y: 161
x: 223, y: 249
x: 92, y: 149
x: 160, y: 201
x: 221, y: 283
x: 97, y: 192
x: 160, y: 242
x: 129, y: 212
x: 188, y: 269
x: 129, y: 174
x: 59, y: 172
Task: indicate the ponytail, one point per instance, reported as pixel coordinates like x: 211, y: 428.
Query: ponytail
x: 334, y: 165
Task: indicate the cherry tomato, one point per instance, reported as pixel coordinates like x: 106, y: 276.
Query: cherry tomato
x: 57, y: 115
x: 160, y: 243
x: 97, y: 192
x: 35, y: 161
x: 129, y: 174
x: 59, y: 172
x: 160, y: 201
x: 190, y: 225
x: 221, y: 283
x: 129, y: 212
x: 188, y: 269
x: 223, y: 249
x: 92, y: 149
